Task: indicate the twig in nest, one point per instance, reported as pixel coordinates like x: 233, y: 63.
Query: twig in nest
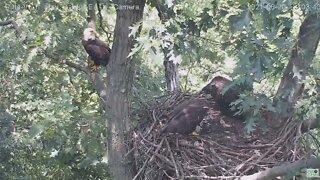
x: 155, y: 120
x: 172, y: 158
x: 147, y: 141
x: 275, y: 152
x: 235, y: 153
x: 283, y: 137
x: 129, y: 152
x: 164, y: 172
x: 253, y: 146
x: 210, y: 177
x: 164, y: 159
x: 296, y: 141
x: 147, y: 161
x: 242, y: 164
x: 315, y: 140
x: 202, y: 157
x: 143, y: 167
x: 232, y: 157
x: 211, y: 142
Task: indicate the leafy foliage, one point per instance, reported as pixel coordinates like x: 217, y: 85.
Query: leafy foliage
x: 51, y: 119
x: 58, y: 130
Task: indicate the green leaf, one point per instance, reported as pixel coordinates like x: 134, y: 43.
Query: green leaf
x: 134, y: 50
x: 296, y: 72
x: 35, y: 130
x: 257, y: 70
x: 239, y: 22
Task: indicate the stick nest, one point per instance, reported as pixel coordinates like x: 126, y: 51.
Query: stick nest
x: 221, y: 151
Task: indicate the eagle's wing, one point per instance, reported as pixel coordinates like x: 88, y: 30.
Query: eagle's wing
x: 186, y: 116
x: 89, y: 47
x: 98, y: 51
x: 102, y: 44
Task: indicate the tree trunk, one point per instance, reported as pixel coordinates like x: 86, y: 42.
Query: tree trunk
x: 291, y: 85
x: 120, y: 73
x: 171, y: 67
x: 302, y: 54
x: 171, y: 73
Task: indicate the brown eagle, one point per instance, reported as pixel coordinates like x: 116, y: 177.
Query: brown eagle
x: 98, y: 51
x: 186, y: 116
x: 224, y: 100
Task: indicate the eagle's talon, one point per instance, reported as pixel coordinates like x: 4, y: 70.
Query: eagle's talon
x: 194, y: 133
x: 93, y: 68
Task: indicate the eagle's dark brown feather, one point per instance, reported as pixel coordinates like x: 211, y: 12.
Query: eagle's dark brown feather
x: 98, y: 51
x: 224, y: 100
x: 186, y: 116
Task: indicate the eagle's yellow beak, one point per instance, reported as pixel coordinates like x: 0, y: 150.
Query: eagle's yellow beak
x: 95, y: 33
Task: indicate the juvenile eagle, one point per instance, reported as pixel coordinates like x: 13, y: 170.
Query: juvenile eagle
x: 98, y: 51
x: 186, y: 116
x: 224, y: 100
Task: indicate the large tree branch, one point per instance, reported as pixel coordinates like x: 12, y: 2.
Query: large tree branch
x: 14, y: 25
x: 94, y: 76
x: 171, y: 68
x: 5, y: 23
x: 100, y: 87
x: 291, y: 85
x: 99, y: 5
x: 284, y: 169
x: 75, y: 66
x: 60, y: 60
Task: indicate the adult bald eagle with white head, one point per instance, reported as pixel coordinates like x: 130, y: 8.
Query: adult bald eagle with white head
x: 98, y: 51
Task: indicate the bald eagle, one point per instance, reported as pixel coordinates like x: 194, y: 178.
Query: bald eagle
x: 186, y: 116
x: 98, y: 51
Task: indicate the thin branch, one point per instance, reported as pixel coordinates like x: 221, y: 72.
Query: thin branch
x: 101, y: 20
x: 211, y: 41
x: 14, y: 25
x: 172, y: 158
x: 94, y: 76
x: 68, y: 63
x: 149, y: 160
x: 75, y: 66
x: 17, y: 28
x: 5, y: 23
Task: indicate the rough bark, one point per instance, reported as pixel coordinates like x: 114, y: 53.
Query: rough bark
x: 91, y: 14
x: 291, y: 85
x: 171, y: 74
x: 171, y: 68
x: 120, y: 73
